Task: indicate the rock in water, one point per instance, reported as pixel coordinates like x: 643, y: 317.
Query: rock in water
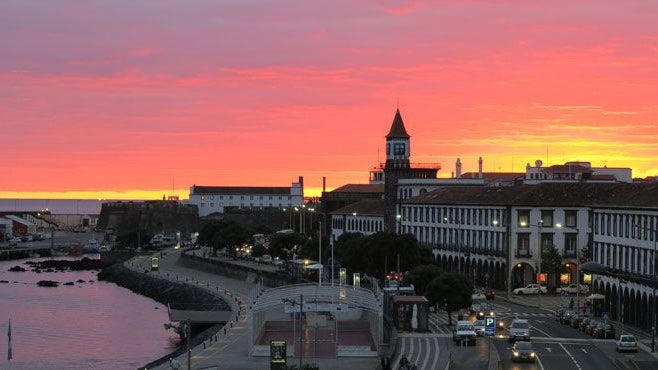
x: 17, y: 269
x: 47, y: 283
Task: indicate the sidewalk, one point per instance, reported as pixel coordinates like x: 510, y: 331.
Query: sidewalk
x: 229, y: 349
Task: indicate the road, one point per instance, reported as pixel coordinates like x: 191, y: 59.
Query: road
x: 557, y: 346
x: 562, y: 347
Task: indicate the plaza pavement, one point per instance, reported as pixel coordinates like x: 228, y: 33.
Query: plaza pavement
x: 229, y: 348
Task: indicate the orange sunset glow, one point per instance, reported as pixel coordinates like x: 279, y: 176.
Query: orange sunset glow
x: 133, y: 99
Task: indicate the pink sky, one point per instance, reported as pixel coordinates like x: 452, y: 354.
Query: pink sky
x: 122, y: 98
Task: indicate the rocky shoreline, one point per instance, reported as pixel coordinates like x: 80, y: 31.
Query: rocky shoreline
x: 165, y: 292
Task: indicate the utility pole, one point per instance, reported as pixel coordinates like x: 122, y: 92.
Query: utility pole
x: 188, y: 330
x: 319, y: 252
x: 301, y: 332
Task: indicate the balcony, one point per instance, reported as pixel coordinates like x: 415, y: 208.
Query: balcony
x: 569, y: 254
x: 522, y: 253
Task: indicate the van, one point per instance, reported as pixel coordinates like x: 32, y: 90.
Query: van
x: 464, y: 331
x: 519, y: 330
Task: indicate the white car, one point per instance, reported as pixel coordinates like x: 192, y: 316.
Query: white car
x: 627, y: 343
x: 572, y: 289
x: 531, y: 289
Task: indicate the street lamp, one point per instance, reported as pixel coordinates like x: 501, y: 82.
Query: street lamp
x: 654, y: 282
x: 398, y: 218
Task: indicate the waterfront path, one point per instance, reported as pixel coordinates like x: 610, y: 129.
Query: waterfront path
x: 228, y: 349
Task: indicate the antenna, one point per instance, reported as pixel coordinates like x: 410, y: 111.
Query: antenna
x: 398, y: 103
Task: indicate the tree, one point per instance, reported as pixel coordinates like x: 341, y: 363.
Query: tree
x: 368, y: 254
x: 551, y: 263
x: 283, y: 245
x: 258, y: 251
x: 223, y: 234
x: 451, y: 290
x: 420, y: 276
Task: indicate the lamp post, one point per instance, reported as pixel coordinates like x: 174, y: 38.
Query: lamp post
x: 654, y: 282
x: 510, y: 266
x: 301, y: 323
x: 398, y: 228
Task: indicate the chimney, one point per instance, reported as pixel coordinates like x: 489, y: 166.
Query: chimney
x: 301, y: 186
x: 324, y: 184
x: 480, y: 167
x: 458, y: 169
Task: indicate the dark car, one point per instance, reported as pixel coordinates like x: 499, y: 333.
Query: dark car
x: 591, y: 326
x: 583, y: 323
x: 559, y: 312
x: 575, y: 320
x: 605, y: 331
x: 566, y: 317
x: 489, y: 293
x: 523, y: 351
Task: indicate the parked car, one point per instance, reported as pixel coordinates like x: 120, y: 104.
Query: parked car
x: 479, y: 327
x: 519, y: 330
x: 531, y: 289
x: 14, y: 241
x: 576, y: 319
x: 565, y: 318
x: 591, y: 326
x: 523, y: 351
x: 583, y: 322
x: 489, y: 293
x: 559, y: 312
x: 627, y: 343
x: 572, y: 289
x: 604, y: 331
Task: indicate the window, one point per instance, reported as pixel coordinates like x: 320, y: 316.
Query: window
x: 571, y: 218
x: 546, y: 241
x: 202, y: 205
x: 523, y: 245
x: 212, y: 205
x: 399, y: 149
x: 570, y: 245
x: 388, y: 149
x: 547, y: 218
x: 524, y: 218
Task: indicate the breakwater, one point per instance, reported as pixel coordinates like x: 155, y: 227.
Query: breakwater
x: 165, y: 292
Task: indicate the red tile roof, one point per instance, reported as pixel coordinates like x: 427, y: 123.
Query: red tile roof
x: 360, y: 188
x: 636, y: 195
x: 366, y: 207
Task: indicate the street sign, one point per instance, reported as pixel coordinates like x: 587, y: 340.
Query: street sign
x: 490, y: 326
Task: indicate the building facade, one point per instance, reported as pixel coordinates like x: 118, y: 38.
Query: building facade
x: 219, y: 199
x: 365, y: 217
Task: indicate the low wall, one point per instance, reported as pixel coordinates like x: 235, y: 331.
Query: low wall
x: 235, y: 271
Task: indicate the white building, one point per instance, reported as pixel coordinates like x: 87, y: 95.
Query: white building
x: 575, y: 172
x: 219, y: 199
x: 365, y: 217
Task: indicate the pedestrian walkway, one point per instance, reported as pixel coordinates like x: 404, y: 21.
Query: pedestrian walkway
x: 422, y: 350
x: 229, y: 348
